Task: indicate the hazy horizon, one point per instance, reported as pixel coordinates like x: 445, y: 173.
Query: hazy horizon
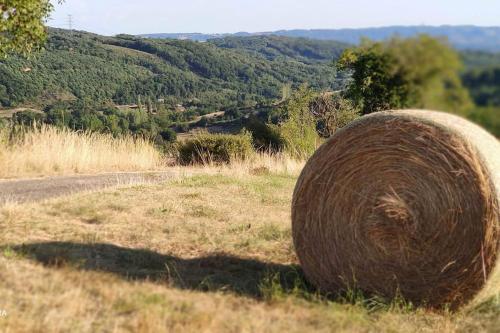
x: 290, y: 29
x: 226, y: 16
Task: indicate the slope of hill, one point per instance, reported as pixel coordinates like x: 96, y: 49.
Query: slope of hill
x: 123, y: 69
x: 480, y: 59
x: 461, y: 37
x: 278, y: 47
x: 482, y: 77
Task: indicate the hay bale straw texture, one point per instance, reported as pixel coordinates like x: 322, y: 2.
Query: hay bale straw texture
x: 401, y: 203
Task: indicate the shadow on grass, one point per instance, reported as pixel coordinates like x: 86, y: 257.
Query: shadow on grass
x: 218, y: 272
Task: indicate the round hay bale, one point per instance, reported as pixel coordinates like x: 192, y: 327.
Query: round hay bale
x: 401, y: 203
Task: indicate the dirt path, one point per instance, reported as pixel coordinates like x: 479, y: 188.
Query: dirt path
x: 29, y: 190
x: 208, y: 116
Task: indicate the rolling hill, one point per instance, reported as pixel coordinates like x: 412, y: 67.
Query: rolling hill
x: 278, y: 47
x: 462, y: 37
x: 89, y: 72
x: 125, y: 69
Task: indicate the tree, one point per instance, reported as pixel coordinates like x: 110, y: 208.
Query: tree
x: 58, y: 115
x: 22, y: 25
x: 266, y: 137
x: 332, y: 112
x: 28, y: 118
x: 297, y: 126
x: 168, y: 135
x: 420, y: 72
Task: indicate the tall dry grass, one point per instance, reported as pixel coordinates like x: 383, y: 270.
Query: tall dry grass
x: 257, y: 164
x: 49, y: 150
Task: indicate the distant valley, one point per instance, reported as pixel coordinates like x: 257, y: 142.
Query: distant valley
x: 89, y: 81
x: 126, y: 69
x: 231, y: 71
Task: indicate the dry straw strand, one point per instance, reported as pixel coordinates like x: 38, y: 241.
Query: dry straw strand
x: 401, y: 203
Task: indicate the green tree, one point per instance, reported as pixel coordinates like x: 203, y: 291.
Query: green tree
x: 332, y: 112
x: 420, y: 72
x: 58, y: 115
x: 488, y: 117
x: 266, y: 137
x: 297, y: 126
x: 375, y: 84
x: 28, y: 118
x: 22, y: 25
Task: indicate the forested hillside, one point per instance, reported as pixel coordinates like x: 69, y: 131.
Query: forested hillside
x: 148, y: 86
x: 482, y: 77
x: 127, y: 69
x: 276, y: 47
x: 220, y: 73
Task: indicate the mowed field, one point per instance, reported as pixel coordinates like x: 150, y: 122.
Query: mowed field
x: 206, y: 253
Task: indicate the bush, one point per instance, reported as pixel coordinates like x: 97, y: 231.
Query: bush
x: 168, y: 135
x: 265, y: 137
x: 332, y: 112
x: 28, y: 118
x: 215, y: 148
x: 297, y: 128
x: 3, y: 123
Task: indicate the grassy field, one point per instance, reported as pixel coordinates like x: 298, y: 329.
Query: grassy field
x: 208, y: 253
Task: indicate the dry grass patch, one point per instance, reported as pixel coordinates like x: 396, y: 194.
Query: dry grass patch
x: 50, y: 150
x: 210, y: 253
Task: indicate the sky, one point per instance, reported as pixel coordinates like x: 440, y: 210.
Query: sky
x: 110, y: 17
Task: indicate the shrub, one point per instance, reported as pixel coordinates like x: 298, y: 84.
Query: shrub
x: 265, y: 137
x: 168, y: 135
x: 28, y: 118
x: 332, y: 112
x: 297, y: 128
x: 207, y: 148
x: 3, y: 123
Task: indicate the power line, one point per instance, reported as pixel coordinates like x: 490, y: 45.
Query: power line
x: 70, y: 22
